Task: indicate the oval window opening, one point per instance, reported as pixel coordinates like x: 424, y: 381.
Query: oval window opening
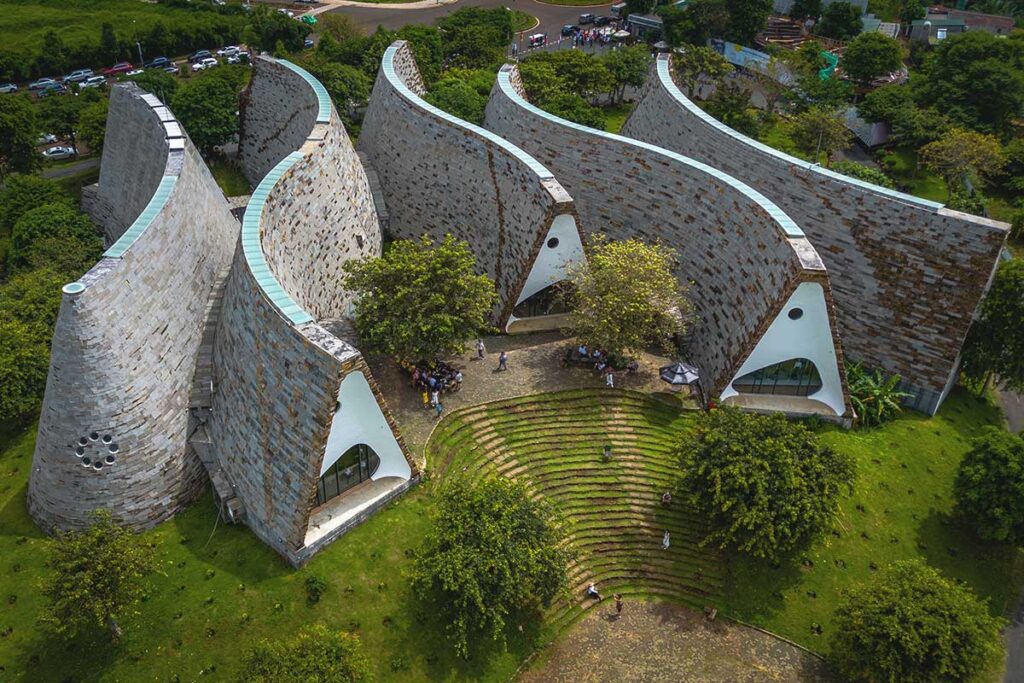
x: 552, y: 243
x: 796, y: 313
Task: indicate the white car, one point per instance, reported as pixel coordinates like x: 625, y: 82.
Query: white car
x: 228, y: 51
x: 59, y: 152
x: 93, y: 82
x: 135, y: 72
x: 239, y: 58
x: 287, y: 12
x: 47, y: 139
x: 203, y: 64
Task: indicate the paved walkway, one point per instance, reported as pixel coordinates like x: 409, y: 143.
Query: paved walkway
x: 663, y: 642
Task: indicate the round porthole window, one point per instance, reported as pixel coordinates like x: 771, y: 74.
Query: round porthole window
x: 98, y: 465
x: 107, y: 438
x: 86, y: 461
x: 552, y: 243
x: 110, y: 459
x: 79, y: 451
x: 83, y: 441
x: 94, y: 436
x: 112, y: 448
x: 796, y: 313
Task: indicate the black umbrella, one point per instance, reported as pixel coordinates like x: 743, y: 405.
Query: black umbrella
x: 679, y: 373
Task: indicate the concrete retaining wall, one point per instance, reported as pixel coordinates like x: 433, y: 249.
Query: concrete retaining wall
x: 126, y: 338
x: 907, y: 274
x: 442, y: 175
x: 743, y: 255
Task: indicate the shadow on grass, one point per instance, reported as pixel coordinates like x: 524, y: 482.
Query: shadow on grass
x: 14, y: 519
x: 755, y: 587
x: 48, y: 658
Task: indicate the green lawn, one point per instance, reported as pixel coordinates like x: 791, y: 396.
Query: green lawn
x: 522, y: 21
x: 779, y: 135
x: 900, y: 164
x: 229, y: 177
x: 616, y: 116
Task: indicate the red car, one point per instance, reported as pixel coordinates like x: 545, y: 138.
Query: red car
x: 119, y: 68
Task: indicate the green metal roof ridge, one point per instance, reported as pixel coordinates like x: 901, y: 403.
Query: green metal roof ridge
x: 388, y: 67
x: 323, y: 100
x: 786, y: 224
x: 252, y: 247
x: 143, y: 220
x: 666, y: 80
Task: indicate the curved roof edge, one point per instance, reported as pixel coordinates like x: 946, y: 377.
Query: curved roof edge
x: 387, y: 66
x: 665, y: 77
x: 786, y: 224
x: 252, y: 246
x: 323, y: 100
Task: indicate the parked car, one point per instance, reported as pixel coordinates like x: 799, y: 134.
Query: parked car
x: 42, y: 83
x: 287, y: 12
x: 537, y: 40
x: 59, y: 152
x: 228, y: 51
x: 308, y: 19
x: 8, y: 88
x: 119, y: 68
x: 159, y: 63
x: 307, y: 43
x: 93, y: 82
x: 569, y: 29
x: 203, y: 64
x: 197, y: 55
x: 47, y: 139
x: 239, y: 58
x: 78, y: 75
x: 586, y: 19
x: 602, y: 21
x: 135, y: 72
x: 171, y: 69
x: 52, y: 89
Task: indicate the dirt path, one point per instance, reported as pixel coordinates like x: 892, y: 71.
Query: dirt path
x: 663, y: 642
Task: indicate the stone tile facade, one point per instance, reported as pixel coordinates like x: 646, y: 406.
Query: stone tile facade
x: 907, y: 275
x: 127, y: 334
x: 741, y: 254
x: 443, y: 175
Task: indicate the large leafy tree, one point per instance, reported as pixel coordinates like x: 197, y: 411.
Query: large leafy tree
x: 157, y: 82
x: 60, y: 115
x: 875, y: 397
x: 961, y: 154
x: 459, y: 98
x: 268, y: 27
x: 92, y: 124
x: 989, y: 486
x: 208, y: 109
x: 765, y: 483
x: 627, y: 297
x: 910, y: 624
x: 58, y: 221
x: 494, y: 554
x: 22, y: 193
x: 18, y: 130
x: 730, y: 104
x: 870, y: 56
x: 475, y: 38
x: 822, y: 131
x: 805, y: 9
x: 862, y: 172
x: 572, y: 107
x: 98, y: 575
x: 994, y: 344
x: 812, y: 92
x: 419, y: 301
x: 24, y: 362
x: 314, y: 654
x: 700, y: 64
x: 840, y: 20
x: 628, y: 68
x: 348, y: 86
x: 747, y: 18
x: 695, y: 24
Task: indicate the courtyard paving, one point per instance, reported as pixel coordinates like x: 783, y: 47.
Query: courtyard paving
x: 662, y: 642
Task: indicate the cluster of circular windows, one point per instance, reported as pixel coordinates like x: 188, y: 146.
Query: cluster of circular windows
x: 95, y: 451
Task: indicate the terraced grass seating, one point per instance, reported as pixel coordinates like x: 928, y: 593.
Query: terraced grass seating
x: 554, y: 443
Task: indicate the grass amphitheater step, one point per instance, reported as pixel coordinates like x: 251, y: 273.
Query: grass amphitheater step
x: 612, y: 510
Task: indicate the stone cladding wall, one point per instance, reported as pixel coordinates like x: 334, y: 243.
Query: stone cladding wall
x: 907, y: 276
x: 133, y: 133
x: 740, y: 261
x: 277, y: 381
x: 443, y: 175
x: 278, y: 111
x: 124, y: 346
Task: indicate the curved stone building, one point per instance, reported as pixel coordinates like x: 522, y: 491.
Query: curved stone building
x: 115, y: 419
x: 766, y: 335
x: 908, y: 274
x: 298, y: 429
x: 440, y: 174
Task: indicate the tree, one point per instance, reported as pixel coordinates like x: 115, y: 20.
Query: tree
x: 92, y: 124
x: 994, y: 344
x: 870, y: 56
x: 699, y: 64
x: 458, y: 98
x: 267, y: 27
x: 639, y: 6
x: 967, y: 201
x: 475, y: 38
x: 819, y: 131
x: 57, y: 220
x: 989, y: 486
x: 578, y: 72
x: 572, y: 107
x: 875, y: 397
x: 22, y: 193
x: 208, y: 109
x: 747, y: 18
x: 628, y: 67
x: 910, y: 624
x: 765, y: 483
x: 840, y: 20
x: 805, y: 9
x: 348, y: 86
x: 60, y: 116
x: 1014, y: 169
x: 315, y: 653
x: 98, y: 574
x: 814, y: 92
x: 627, y: 297
x: 695, y: 24
x: 18, y: 130
x: 419, y: 301
x: 339, y: 27
x: 976, y: 79
x: 730, y: 104
x: 24, y: 362
x: 962, y: 154
x: 157, y: 82
x: 32, y: 298
x: 110, y: 50
x: 493, y: 554
x: 862, y: 172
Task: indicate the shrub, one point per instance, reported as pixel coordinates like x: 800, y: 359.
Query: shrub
x: 862, y: 172
x: 989, y: 486
x: 313, y: 654
x: 315, y: 588
x: 875, y: 398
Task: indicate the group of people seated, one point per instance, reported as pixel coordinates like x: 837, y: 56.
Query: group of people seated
x: 600, y: 360
x: 441, y: 378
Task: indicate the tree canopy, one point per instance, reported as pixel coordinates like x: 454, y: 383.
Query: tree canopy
x: 989, y: 486
x: 765, y: 484
x: 419, y: 301
x: 18, y: 130
x: 627, y: 297
x: 694, y: 24
x: 700, y: 63
x: 862, y: 172
x: 315, y: 654
x: 994, y: 344
x: 818, y: 130
x: 870, y: 56
x: 964, y: 154
x: 910, y: 624
x: 57, y: 221
x: 97, y: 575
x: 493, y: 554
x: 747, y: 18
x: 730, y: 104
x: 22, y: 193
x: 840, y: 20
x: 208, y: 109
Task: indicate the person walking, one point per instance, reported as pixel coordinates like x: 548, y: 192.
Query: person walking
x: 480, y: 349
x: 435, y: 397
x: 502, y: 361
x: 666, y: 540
x: 440, y: 409
x: 609, y: 380
x: 618, y: 603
